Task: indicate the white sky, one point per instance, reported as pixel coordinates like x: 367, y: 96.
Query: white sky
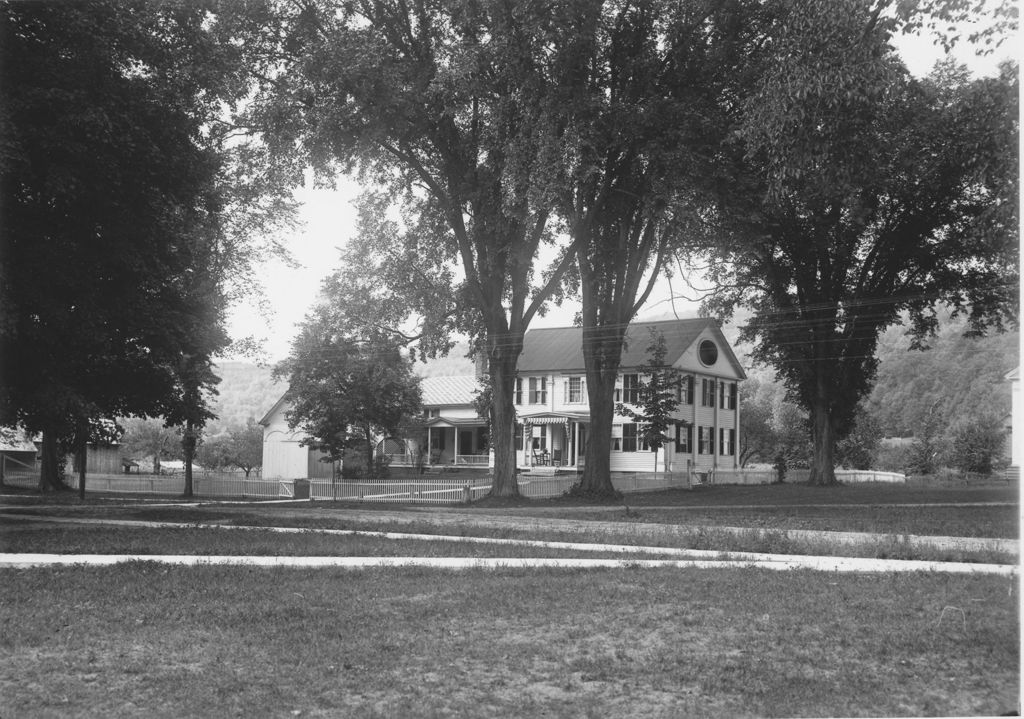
x: 329, y: 221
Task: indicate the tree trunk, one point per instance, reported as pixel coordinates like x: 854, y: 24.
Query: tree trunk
x: 602, y: 354
x: 49, y: 471
x: 823, y: 435
x: 502, y: 370
x: 371, y: 466
x: 82, y: 437
x: 188, y: 444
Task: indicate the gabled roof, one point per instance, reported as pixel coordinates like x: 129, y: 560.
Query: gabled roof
x: 437, y: 392
x: 448, y: 391
x: 560, y: 349
x: 270, y: 412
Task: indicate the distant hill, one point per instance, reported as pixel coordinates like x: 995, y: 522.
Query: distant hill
x: 456, y: 364
x: 245, y: 390
x: 248, y: 390
x: 964, y: 375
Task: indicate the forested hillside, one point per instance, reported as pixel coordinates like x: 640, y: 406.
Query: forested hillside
x: 963, y: 376
x: 246, y: 390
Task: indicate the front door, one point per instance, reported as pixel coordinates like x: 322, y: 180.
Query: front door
x: 465, y: 442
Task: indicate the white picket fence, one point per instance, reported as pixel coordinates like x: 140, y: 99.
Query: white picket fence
x: 212, y: 484
x: 440, y: 490
x: 444, y: 489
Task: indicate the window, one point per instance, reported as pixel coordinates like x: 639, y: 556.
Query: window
x: 727, y: 395
x: 519, y: 390
x: 685, y: 394
x: 616, y: 437
x: 435, y: 412
x: 726, y: 441
x: 437, y: 439
x: 706, y: 440
x: 631, y: 388
x: 574, y: 390
x: 519, y: 436
x: 684, y: 438
x: 538, y: 390
x: 539, y: 438
x: 629, y: 437
x: 707, y: 394
x: 708, y: 352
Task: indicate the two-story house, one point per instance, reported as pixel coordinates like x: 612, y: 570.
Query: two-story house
x: 553, y: 411
x: 553, y: 408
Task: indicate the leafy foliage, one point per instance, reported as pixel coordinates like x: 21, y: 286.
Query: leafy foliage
x: 152, y: 439
x: 927, y: 449
x: 116, y: 185
x: 857, y: 450
x: 347, y: 392
x: 657, y: 397
x: 857, y: 192
x: 240, y: 446
x: 770, y: 426
x: 965, y: 375
x: 978, y: 444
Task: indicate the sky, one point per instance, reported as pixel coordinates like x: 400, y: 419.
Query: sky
x: 328, y: 221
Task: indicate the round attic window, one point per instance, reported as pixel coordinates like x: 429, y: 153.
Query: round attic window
x: 708, y: 352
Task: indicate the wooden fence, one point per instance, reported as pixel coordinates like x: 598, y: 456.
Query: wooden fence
x: 451, y: 488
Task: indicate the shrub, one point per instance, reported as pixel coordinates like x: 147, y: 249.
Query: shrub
x: 977, y: 444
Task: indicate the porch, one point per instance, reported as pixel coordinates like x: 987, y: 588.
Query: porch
x: 551, y: 439
x: 447, y: 442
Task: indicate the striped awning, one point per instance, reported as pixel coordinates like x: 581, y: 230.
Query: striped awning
x: 553, y: 418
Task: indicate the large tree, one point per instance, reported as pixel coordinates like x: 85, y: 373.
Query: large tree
x: 117, y: 252
x: 640, y: 131
x: 855, y: 192
x: 443, y: 103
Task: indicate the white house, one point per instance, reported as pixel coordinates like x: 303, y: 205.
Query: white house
x: 552, y: 408
x: 283, y: 456
x: 1014, y: 420
x: 454, y: 432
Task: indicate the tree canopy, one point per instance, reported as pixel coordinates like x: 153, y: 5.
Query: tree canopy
x: 854, y: 192
x: 442, y: 103
x: 117, y: 247
x: 347, y: 391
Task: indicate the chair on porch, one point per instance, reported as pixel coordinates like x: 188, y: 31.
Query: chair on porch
x: 556, y: 457
x: 540, y: 456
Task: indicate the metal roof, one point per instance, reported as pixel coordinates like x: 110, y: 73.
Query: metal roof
x: 448, y: 391
x: 561, y: 348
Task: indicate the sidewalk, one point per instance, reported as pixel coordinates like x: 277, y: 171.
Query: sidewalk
x: 691, y: 557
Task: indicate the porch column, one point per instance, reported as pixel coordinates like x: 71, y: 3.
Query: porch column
x: 528, y: 443
x: 717, y: 438
x: 430, y: 448
x: 455, y: 430
x: 736, y: 420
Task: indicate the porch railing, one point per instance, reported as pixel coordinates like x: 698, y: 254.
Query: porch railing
x: 472, y: 460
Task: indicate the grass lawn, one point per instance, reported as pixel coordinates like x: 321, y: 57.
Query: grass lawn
x: 40, y: 537
x: 65, y: 539
x: 912, y: 508
x: 149, y: 640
